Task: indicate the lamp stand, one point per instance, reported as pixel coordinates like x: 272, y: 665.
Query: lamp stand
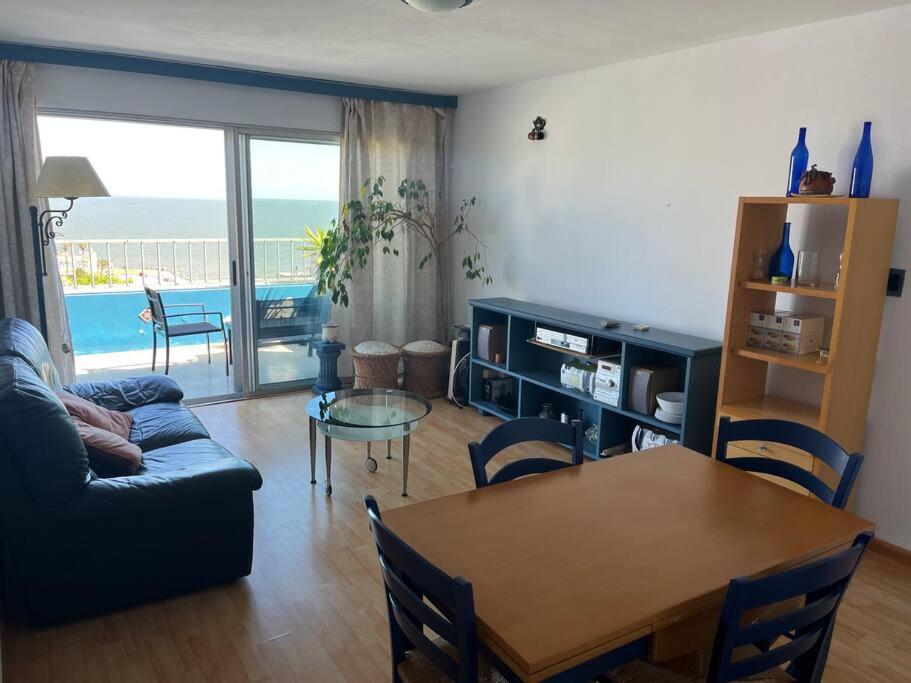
x: 42, y: 234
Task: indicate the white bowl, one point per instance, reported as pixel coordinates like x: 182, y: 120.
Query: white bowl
x: 671, y: 402
x: 670, y: 418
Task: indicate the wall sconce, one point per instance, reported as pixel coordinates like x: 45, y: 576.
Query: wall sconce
x: 69, y: 178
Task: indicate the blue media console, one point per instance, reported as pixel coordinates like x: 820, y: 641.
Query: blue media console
x: 536, y: 371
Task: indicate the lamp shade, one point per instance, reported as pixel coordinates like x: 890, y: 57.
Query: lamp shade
x: 69, y: 177
x: 437, y: 5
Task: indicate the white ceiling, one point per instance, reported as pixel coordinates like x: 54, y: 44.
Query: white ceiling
x: 383, y: 42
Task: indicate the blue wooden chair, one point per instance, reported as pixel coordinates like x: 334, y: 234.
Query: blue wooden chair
x: 742, y: 649
x: 410, y: 579
x: 519, y: 431
x: 817, y: 444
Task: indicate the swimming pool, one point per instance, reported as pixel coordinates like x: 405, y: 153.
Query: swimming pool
x: 107, y: 322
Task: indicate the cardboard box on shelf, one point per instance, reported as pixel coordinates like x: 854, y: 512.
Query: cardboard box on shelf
x: 755, y: 336
x: 802, y: 334
x: 772, y: 320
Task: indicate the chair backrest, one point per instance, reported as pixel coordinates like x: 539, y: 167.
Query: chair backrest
x: 807, y: 629
x: 519, y: 431
x: 156, y: 306
x: 817, y: 444
x: 409, y: 579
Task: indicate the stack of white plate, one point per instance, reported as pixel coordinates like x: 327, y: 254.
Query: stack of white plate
x: 670, y: 407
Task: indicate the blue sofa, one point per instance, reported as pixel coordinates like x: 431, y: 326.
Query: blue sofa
x: 76, y: 543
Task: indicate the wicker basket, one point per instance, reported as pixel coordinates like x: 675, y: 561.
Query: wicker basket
x: 376, y: 370
x: 427, y: 373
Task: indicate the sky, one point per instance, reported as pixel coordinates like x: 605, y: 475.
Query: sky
x: 152, y: 160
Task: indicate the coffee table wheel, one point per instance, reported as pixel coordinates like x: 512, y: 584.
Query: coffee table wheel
x: 328, y: 489
x: 370, y: 464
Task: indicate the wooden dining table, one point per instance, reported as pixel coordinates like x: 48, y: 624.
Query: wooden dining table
x: 580, y: 570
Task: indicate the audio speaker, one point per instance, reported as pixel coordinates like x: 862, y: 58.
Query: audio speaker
x: 492, y: 342
x: 646, y: 382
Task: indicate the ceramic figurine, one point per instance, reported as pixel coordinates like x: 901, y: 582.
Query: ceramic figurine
x: 537, y: 133
x: 815, y: 182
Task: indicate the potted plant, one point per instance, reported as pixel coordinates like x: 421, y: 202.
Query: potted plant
x: 312, y: 247
x: 374, y: 221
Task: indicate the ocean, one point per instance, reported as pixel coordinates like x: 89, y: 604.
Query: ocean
x: 119, y: 218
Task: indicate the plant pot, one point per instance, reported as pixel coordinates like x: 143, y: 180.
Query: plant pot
x: 330, y: 332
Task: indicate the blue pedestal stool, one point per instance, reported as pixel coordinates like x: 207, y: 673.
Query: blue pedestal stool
x: 328, y: 353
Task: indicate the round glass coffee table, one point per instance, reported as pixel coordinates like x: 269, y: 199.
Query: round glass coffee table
x: 365, y: 415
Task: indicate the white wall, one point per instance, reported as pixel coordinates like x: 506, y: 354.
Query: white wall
x: 113, y: 92
x: 628, y: 208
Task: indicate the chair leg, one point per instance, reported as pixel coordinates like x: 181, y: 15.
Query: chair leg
x: 167, y: 354
x: 227, y: 353
x: 154, y: 348
x: 209, y: 347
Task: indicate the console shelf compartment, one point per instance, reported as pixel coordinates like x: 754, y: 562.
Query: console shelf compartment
x: 535, y: 369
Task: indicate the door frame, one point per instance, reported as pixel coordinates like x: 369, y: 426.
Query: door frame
x: 245, y: 229
x: 239, y: 232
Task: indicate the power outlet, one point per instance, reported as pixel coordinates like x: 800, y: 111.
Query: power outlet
x: 896, y: 282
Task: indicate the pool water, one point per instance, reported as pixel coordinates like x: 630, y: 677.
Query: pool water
x: 107, y: 322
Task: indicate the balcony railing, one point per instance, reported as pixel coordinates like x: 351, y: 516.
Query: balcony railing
x: 135, y: 263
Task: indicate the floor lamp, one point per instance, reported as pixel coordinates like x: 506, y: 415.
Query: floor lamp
x: 61, y: 177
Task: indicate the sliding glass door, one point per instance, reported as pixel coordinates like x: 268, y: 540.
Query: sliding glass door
x: 223, y: 226
x: 292, y: 198
x: 163, y: 235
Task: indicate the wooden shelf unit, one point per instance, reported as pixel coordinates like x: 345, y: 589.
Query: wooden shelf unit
x: 823, y: 291
x: 535, y: 368
x: 855, y: 320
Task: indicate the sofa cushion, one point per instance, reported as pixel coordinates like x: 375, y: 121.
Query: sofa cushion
x: 95, y: 415
x: 132, y: 392
x: 161, y: 424
x: 110, y: 455
x: 22, y: 339
x: 376, y: 348
x: 201, y: 458
x: 42, y: 459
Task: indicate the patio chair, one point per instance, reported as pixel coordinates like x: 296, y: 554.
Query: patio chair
x: 297, y: 320
x: 161, y: 324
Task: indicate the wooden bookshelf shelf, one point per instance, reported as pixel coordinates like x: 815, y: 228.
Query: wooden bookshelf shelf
x: 823, y: 291
x: 805, y: 362
x: 773, y: 407
x: 840, y: 388
x: 822, y: 199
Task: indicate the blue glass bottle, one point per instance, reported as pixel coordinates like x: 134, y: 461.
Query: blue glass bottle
x: 800, y: 157
x: 782, y: 264
x: 862, y: 171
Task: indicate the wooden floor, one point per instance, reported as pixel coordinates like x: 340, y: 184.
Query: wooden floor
x: 313, y: 608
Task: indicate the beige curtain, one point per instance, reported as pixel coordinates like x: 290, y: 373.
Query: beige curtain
x: 392, y: 300
x: 20, y: 161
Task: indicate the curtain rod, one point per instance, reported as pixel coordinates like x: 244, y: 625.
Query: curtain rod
x: 216, y: 74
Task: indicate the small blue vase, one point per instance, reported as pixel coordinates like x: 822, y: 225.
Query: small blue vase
x: 800, y: 157
x: 782, y: 263
x: 862, y: 171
